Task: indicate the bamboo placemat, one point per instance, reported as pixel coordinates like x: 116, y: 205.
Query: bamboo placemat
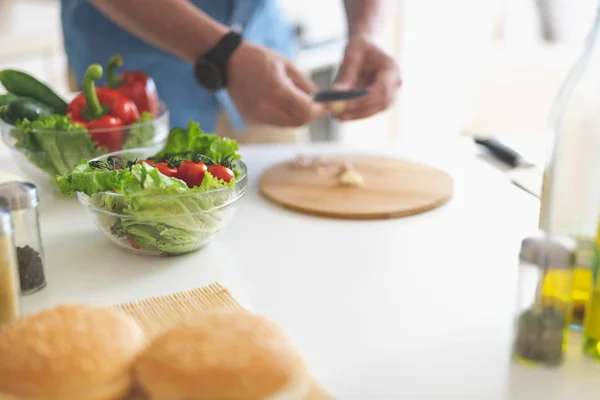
x: 156, y: 314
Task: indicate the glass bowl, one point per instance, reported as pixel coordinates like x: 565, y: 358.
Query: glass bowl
x: 164, y: 224
x: 44, y: 154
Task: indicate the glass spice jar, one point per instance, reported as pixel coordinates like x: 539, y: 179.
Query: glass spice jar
x: 9, y: 270
x: 23, y: 201
x: 542, y: 321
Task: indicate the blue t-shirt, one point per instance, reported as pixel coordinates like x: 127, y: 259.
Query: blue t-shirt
x: 90, y: 37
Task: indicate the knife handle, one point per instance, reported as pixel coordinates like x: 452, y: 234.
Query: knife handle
x: 500, y: 151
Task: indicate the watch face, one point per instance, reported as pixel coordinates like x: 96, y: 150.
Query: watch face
x: 208, y: 76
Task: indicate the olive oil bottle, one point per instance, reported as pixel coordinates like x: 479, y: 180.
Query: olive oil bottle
x: 591, y: 331
x: 570, y: 200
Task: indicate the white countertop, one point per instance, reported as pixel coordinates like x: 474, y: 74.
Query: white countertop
x: 413, y: 308
x: 29, y: 27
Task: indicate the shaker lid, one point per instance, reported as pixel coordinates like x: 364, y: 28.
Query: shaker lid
x: 19, y: 195
x: 6, y: 226
x: 546, y: 250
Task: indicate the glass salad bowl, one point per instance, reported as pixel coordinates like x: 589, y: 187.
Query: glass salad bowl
x: 44, y: 154
x: 165, y: 224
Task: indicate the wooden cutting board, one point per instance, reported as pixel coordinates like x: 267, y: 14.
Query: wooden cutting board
x: 392, y: 188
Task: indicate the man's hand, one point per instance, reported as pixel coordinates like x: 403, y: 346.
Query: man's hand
x: 365, y: 66
x: 267, y: 89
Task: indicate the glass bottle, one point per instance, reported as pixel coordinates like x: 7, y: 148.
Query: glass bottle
x: 9, y: 271
x: 591, y: 328
x: 22, y: 199
x: 570, y: 201
x: 542, y: 322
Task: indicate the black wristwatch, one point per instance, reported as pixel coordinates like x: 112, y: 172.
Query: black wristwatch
x: 211, y: 69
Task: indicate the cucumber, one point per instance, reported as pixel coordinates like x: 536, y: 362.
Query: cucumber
x: 24, y: 107
x: 25, y: 85
x: 6, y: 98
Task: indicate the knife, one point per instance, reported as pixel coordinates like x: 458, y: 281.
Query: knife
x: 523, y: 174
x: 328, y: 96
x: 504, y: 153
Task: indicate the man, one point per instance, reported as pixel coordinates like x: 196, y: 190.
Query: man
x: 201, y: 66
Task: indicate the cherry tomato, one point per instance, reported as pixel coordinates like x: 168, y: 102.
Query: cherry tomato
x: 149, y: 162
x: 133, y: 244
x: 221, y: 172
x: 164, y: 169
x: 192, y: 173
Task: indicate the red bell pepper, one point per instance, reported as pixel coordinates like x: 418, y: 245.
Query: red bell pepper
x: 136, y: 85
x: 103, y: 111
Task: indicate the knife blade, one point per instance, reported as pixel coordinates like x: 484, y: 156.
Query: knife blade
x: 523, y: 174
x: 328, y: 96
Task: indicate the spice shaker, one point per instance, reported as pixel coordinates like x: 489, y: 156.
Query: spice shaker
x: 23, y: 201
x: 9, y: 270
x: 542, y: 322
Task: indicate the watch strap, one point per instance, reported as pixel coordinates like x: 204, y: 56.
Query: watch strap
x: 221, y: 53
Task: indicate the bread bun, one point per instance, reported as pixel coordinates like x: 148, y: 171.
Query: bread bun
x: 222, y: 356
x: 69, y: 352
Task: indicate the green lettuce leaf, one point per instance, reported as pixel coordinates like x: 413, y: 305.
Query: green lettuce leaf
x: 54, y: 143
x: 84, y: 178
x: 141, y: 132
x: 187, y: 143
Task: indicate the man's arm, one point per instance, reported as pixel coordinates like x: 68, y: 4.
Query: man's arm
x: 363, y: 16
x: 176, y: 26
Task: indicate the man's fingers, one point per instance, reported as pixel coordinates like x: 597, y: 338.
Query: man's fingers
x: 301, y: 81
x: 272, y: 114
x: 349, y: 71
x: 295, y: 100
x: 381, y: 95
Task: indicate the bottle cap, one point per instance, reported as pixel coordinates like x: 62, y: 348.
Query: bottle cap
x: 549, y: 251
x: 19, y: 195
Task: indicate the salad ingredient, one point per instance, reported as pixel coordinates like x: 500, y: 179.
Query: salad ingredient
x: 187, y: 143
x: 166, y: 169
x: 149, y: 162
x: 221, y: 172
x: 6, y: 98
x: 54, y: 143
x: 133, y: 244
x: 24, y: 107
x: 350, y: 176
x: 337, y: 107
x: 192, y: 173
x: 301, y: 161
x: 103, y: 109
x: 21, y: 84
x: 141, y: 132
x: 136, y: 85
x: 31, y: 269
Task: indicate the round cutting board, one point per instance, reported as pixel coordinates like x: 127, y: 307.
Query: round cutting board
x: 392, y: 188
